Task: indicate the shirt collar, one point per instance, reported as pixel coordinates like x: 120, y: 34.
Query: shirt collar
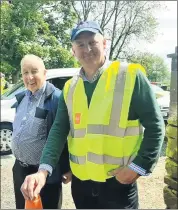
x: 97, y: 74
x: 37, y: 93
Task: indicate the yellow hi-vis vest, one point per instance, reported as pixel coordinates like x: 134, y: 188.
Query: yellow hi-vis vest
x: 3, y: 82
x: 101, y: 136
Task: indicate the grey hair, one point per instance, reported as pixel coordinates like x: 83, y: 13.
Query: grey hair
x: 31, y: 57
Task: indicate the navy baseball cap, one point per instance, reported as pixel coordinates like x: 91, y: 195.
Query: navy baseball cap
x: 85, y: 26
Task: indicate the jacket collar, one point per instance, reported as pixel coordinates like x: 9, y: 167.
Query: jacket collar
x: 48, y: 92
x: 37, y: 93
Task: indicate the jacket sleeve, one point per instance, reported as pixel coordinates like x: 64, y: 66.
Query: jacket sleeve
x: 64, y: 159
x: 57, y: 137
x: 146, y: 108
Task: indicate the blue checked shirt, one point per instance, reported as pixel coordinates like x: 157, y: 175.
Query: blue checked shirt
x: 29, y: 132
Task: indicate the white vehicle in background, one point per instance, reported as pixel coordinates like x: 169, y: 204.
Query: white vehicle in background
x: 57, y: 77
x: 164, y: 103
x: 163, y: 99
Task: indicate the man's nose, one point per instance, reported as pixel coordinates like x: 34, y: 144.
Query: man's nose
x: 30, y: 76
x: 87, y: 47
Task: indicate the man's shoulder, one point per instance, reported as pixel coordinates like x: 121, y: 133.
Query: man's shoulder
x: 19, y: 96
x: 57, y: 92
x: 52, y: 90
x: 141, y: 77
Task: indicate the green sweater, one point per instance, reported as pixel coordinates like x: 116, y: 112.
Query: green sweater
x: 143, y: 107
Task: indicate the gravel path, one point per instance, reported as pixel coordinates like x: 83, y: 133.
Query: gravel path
x: 150, y: 188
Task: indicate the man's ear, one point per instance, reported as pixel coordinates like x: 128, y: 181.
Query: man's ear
x: 73, y: 51
x: 104, y: 43
x: 45, y: 72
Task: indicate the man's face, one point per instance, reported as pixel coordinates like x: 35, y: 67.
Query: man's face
x: 89, y: 48
x: 33, y: 74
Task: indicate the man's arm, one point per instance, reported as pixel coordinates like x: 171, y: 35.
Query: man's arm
x: 145, y: 106
x: 57, y: 137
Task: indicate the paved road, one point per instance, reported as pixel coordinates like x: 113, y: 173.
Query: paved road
x: 150, y: 188
x: 7, y: 194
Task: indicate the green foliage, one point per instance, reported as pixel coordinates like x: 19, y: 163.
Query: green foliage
x: 61, y: 18
x: 25, y: 28
x: 154, y: 65
x: 60, y: 57
x: 124, y: 23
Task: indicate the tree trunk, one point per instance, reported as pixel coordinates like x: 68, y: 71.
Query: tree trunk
x: 170, y: 191
x: 15, y: 77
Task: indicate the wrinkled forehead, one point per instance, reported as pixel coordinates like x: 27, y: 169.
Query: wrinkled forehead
x: 32, y: 64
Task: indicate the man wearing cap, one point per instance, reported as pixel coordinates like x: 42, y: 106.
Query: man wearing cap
x: 102, y: 111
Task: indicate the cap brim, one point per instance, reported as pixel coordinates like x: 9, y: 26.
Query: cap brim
x: 83, y: 30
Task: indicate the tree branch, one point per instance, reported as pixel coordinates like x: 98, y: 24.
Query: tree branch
x: 78, y: 15
x: 104, y: 14
x: 119, y: 38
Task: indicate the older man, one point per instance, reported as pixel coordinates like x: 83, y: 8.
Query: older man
x: 104, y: 107
x: 35, y: 112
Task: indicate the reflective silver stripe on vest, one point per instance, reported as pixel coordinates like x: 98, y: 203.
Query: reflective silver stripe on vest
x: 106, y: 130
x: 118, y: 99
x: 101, y: 159
x: 79, y: 133
x: 70, y: 102
x: 77, y: 159
x: 111, y: 129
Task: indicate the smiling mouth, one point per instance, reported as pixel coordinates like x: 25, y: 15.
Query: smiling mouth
x: 88, y: 57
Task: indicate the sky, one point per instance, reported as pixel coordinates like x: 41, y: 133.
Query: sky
x: 166, y: 40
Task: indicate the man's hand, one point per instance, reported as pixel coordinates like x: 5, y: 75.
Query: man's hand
x: 124, y: 175
x: 67, y: 177
x: 33, y: 184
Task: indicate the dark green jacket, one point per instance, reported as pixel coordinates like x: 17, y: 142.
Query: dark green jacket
x: 143, y: 107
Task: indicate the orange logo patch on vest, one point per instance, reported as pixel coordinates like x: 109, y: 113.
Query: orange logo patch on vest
x: 77, y: 118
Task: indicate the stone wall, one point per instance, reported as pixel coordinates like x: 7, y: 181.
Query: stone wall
x: 171, y: 179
